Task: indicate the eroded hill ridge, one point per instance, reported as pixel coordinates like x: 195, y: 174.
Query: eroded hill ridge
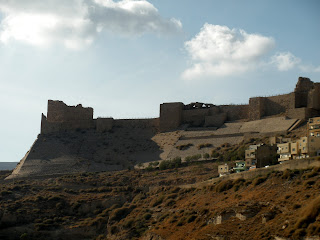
x: 71, y: 140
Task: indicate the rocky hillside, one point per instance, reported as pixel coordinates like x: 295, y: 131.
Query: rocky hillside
x: 136, y: 204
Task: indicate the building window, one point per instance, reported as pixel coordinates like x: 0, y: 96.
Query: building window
x: 293, y: 149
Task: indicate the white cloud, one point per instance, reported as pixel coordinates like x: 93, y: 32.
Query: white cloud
x: 309, y: 68
x: 285, y: 61
x: 220, y: 51
x: 75, y: 23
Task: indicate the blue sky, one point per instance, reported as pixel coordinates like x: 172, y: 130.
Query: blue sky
x: 125, y: 58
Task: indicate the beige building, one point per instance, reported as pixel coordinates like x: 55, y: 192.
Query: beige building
x: 314, y: 136
x: 293, y: 150
x: 277, y: 140
x: 223, y: 170
x: 305, y: 147
x: 284, y: 151
x: 314, y: 127
x: 250, y: 155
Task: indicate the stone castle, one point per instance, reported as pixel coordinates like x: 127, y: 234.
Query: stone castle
x: 72, y: 141
x: 303, y: 103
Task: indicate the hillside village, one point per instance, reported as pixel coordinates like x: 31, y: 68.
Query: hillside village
x: 282, y: 148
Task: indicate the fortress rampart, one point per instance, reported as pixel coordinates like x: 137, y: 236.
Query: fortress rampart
x: 61, y: 117
x: 302, y: 103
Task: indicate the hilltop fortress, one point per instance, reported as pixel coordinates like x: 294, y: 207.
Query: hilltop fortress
x: 303, y: 103
x: 71, y: 140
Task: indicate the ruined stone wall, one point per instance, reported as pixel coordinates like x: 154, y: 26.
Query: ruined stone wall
x: 215, y: 121
x: 49, y: 127
x: 278, y: 104
x: 302, y: 113
x: 195, y: 117
x: 152, y: 123
x: 170, y: 116
x: 256, y: 108
x: 314, y: 97
x: 104, y: 124
x: 235, y: 112
x: 58, y: 111
x: 304, y: 85
x: 61, y: 117
x: 268, y: 106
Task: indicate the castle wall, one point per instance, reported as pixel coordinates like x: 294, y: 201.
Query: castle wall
x: 104, y: 124
x: 314, y: 97
x: 216, y: 120
x: 49, y: 127
x: 170, y: 116
x: 278, y: 104
x: 303, y: 86
x: 58, y: 111
x: 301, y: 113
x: 61, y: 117
x: 136, y: 123
x: 256, y: 108
x: 235, y: 112
x: 268, y: 106
x: 195, y: 117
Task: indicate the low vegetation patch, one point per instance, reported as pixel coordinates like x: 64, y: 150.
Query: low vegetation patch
x: 169, y: 164
x: 308, y: 214
x: 204, y: 145
x: 224, y: 185
x: 184, y: 146
x: 196, y: 157
x: 257, y: 181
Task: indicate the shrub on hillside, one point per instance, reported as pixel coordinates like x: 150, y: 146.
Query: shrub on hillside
x: 309, y: 214
x: 214, y: 154
x: 204, y: 145
x: 184, y: 146
x: 258, y: 181
x: 287, y: 174
x: 119, y: 213
x: 157, y: 201
x: 238, y: 183
x: 224, y: 185
x: 206, y: 155
x: 193, y: 158
x: 169, y: 164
